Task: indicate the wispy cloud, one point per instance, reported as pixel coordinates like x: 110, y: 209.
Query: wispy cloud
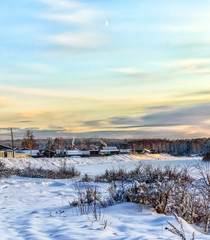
x: 159, y: 108
x: 33, y: 113
x: 82, y: 40
x: 75, y: 94
x: 33, y: 91
x: 93, y: 123
x: 183, y: 28
x: 85, y: 21
x: 128, y: 121
x: 181, y: 117
x: 23, y: 122
x: 201, y: 66
x: 185, y: 121
x: 126, y: 70
x: 37, y: 67
x: 61, y: 4
x: 195, y: 114
x: 199, y: 93
x: 82, y: 17
x: 3, y: 102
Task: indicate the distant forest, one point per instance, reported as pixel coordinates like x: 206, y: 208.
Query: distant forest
x: 180, y: 147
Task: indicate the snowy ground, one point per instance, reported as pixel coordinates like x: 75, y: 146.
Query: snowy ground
x: 96, y: 165
x: 39, y: 209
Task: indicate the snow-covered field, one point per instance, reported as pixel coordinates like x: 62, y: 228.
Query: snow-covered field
x: 39, y: 208
x: 96, y: 165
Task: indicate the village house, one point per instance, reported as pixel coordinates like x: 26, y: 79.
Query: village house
x: 109, y: 151
x: 77, y: 152
x: 125, y: 151
x: 4, y: 151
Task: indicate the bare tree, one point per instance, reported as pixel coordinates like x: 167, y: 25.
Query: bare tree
x: 59, y: 143
x: 49, y: 144
x: 29, y: 140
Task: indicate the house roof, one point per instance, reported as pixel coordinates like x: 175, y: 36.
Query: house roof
x: 77, y: 152
x: 48, y: 150
x: 125, y: 150
x: 110, y: 148
x: 2, y: 147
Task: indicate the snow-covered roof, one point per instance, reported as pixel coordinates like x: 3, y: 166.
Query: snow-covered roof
x: 59, y: 151
x: 77, y: 152
x: 110, y: 148
x: 86, y: 152
x: 125, y: 150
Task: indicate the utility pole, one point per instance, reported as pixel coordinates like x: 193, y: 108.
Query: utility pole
x: 13, y: 153
x: 134, y: 148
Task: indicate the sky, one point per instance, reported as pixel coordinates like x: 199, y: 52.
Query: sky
x: 114, y: 68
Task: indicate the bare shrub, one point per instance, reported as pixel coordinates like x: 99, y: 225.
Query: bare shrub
x: 105, y: 224
x: 62, y: 173
x: 206, y: 157
x: 4, y: 172
x: 178, y: 232
x: 112, y: 175
x: 86, y: 178
x: 169, y: 196
x: 204, y: 190
x: 146, y: 173
x: 168, y: 190
x: 88, y: 200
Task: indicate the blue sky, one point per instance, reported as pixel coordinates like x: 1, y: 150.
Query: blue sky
x: 105, y: 68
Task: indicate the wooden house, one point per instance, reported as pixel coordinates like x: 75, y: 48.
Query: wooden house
x: 109, y: 151
x: 4, y: 150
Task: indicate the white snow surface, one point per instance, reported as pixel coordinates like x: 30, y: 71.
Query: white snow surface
x: 96, y: 165
x: 38, y: 209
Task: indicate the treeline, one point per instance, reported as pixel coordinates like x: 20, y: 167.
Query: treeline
x: 180, y: 147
